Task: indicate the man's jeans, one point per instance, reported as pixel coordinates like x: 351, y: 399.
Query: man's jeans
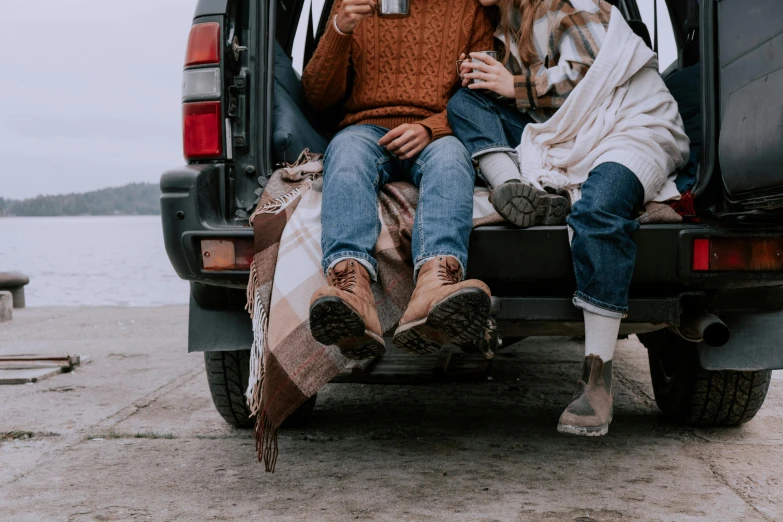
x: 603, y: 248
x: 355, y: 167
x: 484, y: 124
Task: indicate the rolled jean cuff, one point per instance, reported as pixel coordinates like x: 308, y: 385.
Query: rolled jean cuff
x: 366, y: 261
x: 423, y: 258
x: 597, y: 307
x: 495, y: 147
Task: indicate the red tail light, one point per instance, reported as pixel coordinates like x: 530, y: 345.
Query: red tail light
x: 201, y: 129
x: 724, y: 254
x: 227, y: 254
x: 701, y: 254
x: 203, y: 44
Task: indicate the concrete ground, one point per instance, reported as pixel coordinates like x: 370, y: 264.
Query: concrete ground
x: 133, y: 435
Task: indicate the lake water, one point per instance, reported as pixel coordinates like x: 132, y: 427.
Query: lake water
x: 91, y: 261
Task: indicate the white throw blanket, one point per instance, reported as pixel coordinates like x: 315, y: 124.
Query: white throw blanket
x: 620, y: 112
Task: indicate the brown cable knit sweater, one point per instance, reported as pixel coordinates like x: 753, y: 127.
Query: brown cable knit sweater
x: 403, y: 71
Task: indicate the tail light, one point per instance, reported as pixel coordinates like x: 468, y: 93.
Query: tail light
x: 202, y: 135
x: 227, y: 254
x: 203, y: 44
x: 729, y: 254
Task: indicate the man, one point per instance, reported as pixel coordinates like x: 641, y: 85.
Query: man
x: 394, y: 79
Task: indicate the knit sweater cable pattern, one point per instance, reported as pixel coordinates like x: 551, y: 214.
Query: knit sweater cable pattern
x: 398, y: 71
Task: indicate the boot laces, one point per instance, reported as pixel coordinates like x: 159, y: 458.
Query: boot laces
x: 344, y: 279
x: 449, y: 275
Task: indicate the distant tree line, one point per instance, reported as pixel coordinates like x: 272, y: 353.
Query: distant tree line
x: 132, y: 199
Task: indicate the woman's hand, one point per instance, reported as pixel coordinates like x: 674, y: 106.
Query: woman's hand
x: 352, y: 12
x: 495, y: 75
x: 407, y: 140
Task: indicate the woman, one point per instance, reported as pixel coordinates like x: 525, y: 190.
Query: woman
x: 581, y: 101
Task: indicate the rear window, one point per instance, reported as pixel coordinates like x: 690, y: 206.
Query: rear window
x: 667, y: 45
x: 297, y: 53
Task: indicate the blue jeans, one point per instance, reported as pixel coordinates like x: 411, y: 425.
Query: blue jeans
x: 484, y: 124
x: 355, y: 167
x: 603, y: 249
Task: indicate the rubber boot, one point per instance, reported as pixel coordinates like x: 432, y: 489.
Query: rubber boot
x: 590, y: 411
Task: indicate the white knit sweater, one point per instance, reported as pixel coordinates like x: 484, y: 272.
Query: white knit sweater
x: 620, y: 112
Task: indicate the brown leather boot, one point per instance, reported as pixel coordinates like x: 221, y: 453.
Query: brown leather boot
x: 443, y: 309
x: 343, y: 312
x: 590, y: 411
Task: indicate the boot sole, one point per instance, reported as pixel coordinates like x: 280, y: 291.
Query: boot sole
x: 334, y: 323
x: 459, y: 319
x: 522, y: 205
x: 582, y: 431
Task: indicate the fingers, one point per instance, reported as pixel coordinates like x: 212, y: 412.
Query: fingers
x: 391, y: 136
x: 415, y: 151
x: 486, y: 86
x: 406, y: 141
x: 487, y: 59
x: 401, y: 144
x: 481, y: 76
x: 480, y: 66
x: 366, y: 10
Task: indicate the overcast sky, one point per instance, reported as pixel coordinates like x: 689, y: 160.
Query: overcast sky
x: 90, y: 91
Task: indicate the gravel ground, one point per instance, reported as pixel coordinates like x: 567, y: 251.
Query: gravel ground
x: 133, y: 435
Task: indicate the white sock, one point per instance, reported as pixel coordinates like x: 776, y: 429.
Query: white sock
x: 601, y: 335
x: 497, y: 168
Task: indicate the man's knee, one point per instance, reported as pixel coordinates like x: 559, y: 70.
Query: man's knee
x: 448, y: 156
x: 353, y: 150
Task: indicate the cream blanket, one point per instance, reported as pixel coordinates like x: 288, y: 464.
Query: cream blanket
x: 620, y: 112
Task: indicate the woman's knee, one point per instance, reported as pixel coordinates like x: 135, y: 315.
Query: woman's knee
x: 463, y: 104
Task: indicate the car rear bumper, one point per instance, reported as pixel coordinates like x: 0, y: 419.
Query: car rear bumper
x: 530, y: 264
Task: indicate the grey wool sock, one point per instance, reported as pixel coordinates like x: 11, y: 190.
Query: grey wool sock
x: 601, y: 335
x: 497, y: 168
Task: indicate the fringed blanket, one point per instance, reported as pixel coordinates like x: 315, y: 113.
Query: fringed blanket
x: 287, y: 365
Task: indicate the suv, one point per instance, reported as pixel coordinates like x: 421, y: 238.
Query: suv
x: 706, y: 298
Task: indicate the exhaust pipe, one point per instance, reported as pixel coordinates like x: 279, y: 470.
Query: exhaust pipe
x: 704, y: 327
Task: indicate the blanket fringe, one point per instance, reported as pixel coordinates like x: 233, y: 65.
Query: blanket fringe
x: 266, y: 443
x: 279, y: 204
x: 256, y: 377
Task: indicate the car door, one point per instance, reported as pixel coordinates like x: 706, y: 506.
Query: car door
x: 750, y: 102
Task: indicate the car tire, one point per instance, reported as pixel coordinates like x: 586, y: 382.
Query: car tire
x: 690, y: 395
x: 227, y: 374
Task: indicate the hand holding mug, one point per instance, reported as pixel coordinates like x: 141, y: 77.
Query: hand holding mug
x: 493, y: 75
x: 352, y: 12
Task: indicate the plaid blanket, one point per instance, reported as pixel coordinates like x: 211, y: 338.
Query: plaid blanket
x: 287, y: 365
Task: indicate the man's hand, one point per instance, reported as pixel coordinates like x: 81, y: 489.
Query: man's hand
x: 495, y: 75
x: 407, y: 140
x: 352, y: 12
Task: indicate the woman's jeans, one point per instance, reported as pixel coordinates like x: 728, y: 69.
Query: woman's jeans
x: 603, y: 249
x: 484, y: 124
x: 355, y: 167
